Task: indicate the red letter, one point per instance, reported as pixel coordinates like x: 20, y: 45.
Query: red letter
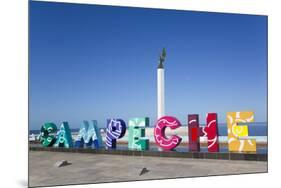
x: 211, y: 131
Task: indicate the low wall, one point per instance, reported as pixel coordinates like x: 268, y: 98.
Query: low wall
x: 202, y: 144
x: 196, y: 155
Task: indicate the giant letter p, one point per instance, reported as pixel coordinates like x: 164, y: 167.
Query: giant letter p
x: 115, y: 129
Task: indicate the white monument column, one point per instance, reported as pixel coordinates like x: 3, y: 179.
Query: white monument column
x: 161, y: 85
x: 160, y: 92
x: 161, y: 88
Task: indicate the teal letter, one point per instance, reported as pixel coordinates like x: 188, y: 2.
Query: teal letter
x: 46, y: 137
x: 137, y: 140
x: 64, y: 136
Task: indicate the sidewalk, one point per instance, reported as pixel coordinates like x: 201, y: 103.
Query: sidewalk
x: 91, y: 168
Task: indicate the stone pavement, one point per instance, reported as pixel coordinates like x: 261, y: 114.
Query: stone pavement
x: 98, y: 168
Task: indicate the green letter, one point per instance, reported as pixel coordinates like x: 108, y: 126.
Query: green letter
x: 137, y: 140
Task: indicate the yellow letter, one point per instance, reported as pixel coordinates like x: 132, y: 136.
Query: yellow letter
x: 235, y: 132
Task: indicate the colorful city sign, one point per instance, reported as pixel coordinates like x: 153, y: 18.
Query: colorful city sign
x: 89, y: 134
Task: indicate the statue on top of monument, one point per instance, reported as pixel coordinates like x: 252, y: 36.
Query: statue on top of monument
x: 162, y: 58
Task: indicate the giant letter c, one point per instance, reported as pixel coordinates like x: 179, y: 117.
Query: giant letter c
x: 159, y: 132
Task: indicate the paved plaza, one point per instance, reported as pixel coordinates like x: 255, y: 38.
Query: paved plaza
x: 98, y: 168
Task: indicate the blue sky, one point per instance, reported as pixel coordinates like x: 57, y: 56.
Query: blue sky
x: 96, y: 62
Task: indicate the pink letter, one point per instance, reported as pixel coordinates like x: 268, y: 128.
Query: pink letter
x: 159, y: 133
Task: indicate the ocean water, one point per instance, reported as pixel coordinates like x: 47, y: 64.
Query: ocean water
x: 255, y: 129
